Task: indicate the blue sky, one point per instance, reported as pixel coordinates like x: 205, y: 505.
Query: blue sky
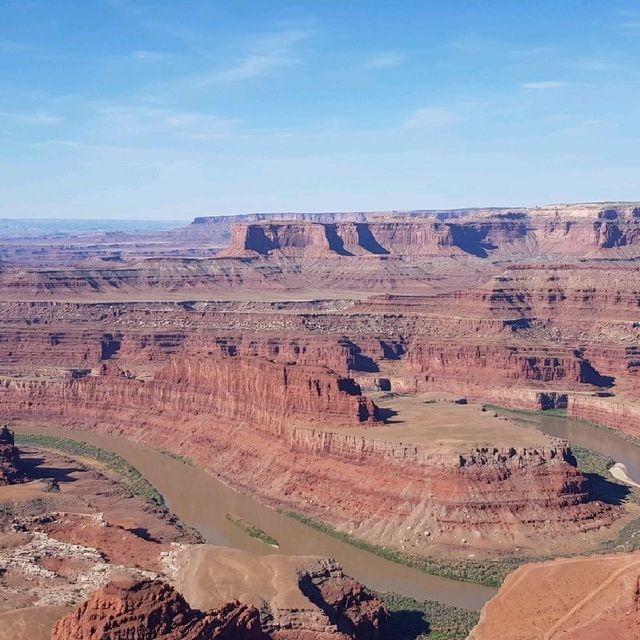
x: 167, y: 110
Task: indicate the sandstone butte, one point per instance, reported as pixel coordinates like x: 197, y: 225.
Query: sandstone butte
x: 313, y: 360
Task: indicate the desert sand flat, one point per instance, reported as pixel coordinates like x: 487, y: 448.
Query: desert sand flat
x: 445, y: 427
x: 31, y: 623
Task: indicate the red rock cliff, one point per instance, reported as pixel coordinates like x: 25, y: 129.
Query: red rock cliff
x: 220, y: 415
x: 144, y: 610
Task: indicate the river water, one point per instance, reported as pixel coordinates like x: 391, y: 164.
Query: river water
x: 202, y: 501
x: 583, y: 434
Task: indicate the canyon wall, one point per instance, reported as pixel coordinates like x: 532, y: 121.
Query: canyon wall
x: 412, y: 251
x: 221, y: 414
x: 612, y: 412
x: 518, y: 234
x: 325, y: 604
x: 251, y: 361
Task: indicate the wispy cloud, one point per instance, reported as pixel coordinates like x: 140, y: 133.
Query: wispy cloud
x: 135, y: 122
x: 36, y: 118
x: 264, y: 55
x: 543, y: 85
x: 144, y: 55
x: 630, y: 24
x: 384, y: 60
x: 253, y: 66
x: 430, y: 118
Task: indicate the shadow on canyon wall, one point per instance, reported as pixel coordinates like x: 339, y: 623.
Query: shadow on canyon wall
x: 610, y: 492
x: 34, y: 469
x: 336, y: 243
x: 368, y: 242
x: 472, y: 240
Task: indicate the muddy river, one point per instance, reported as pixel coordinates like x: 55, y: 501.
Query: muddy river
x: 586, y: 435
x: 202, y: 501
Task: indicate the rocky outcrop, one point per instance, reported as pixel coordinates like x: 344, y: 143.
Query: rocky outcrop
x: 526, y: 308
x: 347, y: 603
x: 249, y: 387
x: 10, y: 471
x: 141, y: 610
x: 233, y: 388
x: 521, y: 233
x: 338, y: 607
x: 298, y: 597
x: 380, y: 238
x: 358, y: 251
x: 451, y: 366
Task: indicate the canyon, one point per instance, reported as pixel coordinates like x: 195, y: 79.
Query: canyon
x: 343, y: 366
x: 70, y: 531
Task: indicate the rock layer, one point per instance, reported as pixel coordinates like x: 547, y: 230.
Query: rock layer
x: 140, y: 610
x: 253, y: 361
x: 145, y: 609
x: 221, y: 415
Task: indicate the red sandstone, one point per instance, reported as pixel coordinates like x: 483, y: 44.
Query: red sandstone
x: 253, y: 348
x: 141, y: 610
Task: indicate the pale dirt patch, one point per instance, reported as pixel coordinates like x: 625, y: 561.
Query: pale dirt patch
x: 23, y: 492
x: 435, y: 422
x: 620, y: 472
x: 572, y: 599
x: 208, y: 576
x: 31, y: 623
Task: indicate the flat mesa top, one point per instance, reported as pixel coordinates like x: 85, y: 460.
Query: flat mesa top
x: 209, y: 576
x: 437, y: 423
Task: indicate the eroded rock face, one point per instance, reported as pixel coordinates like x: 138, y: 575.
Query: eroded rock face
x: 278, y: 457
x: 478, y: 236
x: 512, y: 307
x: 348, y: 604
x: 145, y: 609
x: 10, y: 471
x: 152, y: 609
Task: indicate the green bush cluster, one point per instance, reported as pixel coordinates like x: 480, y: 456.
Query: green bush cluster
x: 176, y: 456
x: 487, y: 572
x: 125, y: 472
x: 427, y: 620
x: 252, y: 530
